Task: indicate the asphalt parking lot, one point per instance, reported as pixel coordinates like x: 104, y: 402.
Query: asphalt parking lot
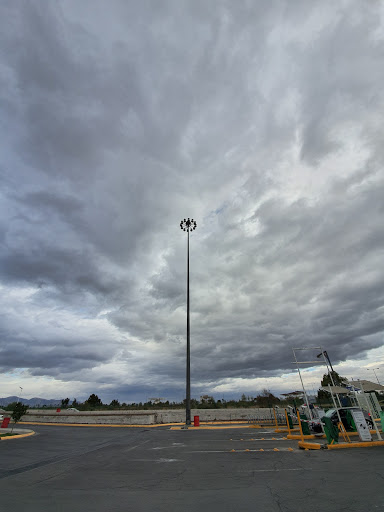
x: 123, y: 469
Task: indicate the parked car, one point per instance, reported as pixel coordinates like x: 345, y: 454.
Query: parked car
x: 315, y: 426
x: 332, y: 414
x: 73, y: 409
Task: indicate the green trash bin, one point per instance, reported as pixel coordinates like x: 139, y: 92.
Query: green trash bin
x: 382, y: 420
x: 304, y: 425
x: 331, y: 431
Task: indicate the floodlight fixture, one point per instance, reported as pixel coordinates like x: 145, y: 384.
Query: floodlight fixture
x: 188, y: 225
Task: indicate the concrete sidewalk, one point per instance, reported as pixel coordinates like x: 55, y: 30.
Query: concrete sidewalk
x: 17, y: 433
x: 15, y: 430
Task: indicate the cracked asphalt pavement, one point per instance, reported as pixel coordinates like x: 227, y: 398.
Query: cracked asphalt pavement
x: 141, y: 470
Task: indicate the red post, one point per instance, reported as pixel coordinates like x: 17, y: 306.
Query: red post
x: 58, y: 410
x: 196, y: 421
x: 5, y: 423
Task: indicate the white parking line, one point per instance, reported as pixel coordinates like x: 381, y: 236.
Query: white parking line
x: 246, y: 450
x: 275, y: 470
x: 260, y: 439
x: 156, y: 460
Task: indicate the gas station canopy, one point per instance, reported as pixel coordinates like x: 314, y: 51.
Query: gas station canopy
x: 339, y: 390
x: 366, y: 385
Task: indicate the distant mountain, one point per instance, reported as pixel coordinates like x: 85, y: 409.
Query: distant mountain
x: 32, y: 402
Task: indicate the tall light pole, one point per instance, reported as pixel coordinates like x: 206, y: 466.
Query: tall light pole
x: 373, y: 370
x: 325, y: 354
x: 188, y: 225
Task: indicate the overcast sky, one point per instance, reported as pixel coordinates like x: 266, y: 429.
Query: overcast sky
x: 262, y: 120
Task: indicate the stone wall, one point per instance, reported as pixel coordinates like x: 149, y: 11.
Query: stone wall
x: 91, y: 417
x: 246, y: 414
x: 146, y: 417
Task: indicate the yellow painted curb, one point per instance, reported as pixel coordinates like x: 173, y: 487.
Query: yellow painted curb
x: 313, y: 436
x: 281, y: 430
x: 17, y: 436
x: 91, y: 424
x: 306, y: 436
x: 202, y: 425
x: 365, y: 444
x: 356, y: 433
x: 309, y: 446
x: 223, y: 427
x: 287, y: 430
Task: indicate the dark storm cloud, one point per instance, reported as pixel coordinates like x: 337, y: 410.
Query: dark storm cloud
x: 56, y: 360
x: 312, y: 273
x: 262, y: 121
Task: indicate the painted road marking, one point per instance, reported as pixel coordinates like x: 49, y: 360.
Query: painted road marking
x: 191, y: 428
x: 273, y: 470
x: 169, y: 447
x: 246, y: 450
x: 158, y: 461
x: 260, y: 439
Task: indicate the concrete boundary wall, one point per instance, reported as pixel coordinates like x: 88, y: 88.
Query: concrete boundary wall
x: 151, y: 417
x: 178, y: 415
x: 91, y: 417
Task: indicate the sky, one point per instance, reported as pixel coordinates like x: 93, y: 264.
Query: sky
x: 263, y: 121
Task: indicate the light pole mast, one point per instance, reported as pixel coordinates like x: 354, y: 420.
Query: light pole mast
x: 373, y: 370
x: 188, y: 225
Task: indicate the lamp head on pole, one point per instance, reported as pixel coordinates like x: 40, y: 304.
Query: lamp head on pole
x: 188, y: 224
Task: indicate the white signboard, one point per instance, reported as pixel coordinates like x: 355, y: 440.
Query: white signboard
x: 361, y: 425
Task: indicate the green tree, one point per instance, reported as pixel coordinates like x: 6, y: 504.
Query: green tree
x: 74, y: 403
x: 18, y: 411
x: 266, y: 399
x: 337, y: 379
x: 64, y: 402
x: 115, y: 403
x: 11, y: 406
x: 324, y: 397
x: 94, y: 401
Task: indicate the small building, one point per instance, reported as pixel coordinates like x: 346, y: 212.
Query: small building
x: 156, y: 401
x: 293, y: 394
x: 366, y: 385
x: 204, y: 399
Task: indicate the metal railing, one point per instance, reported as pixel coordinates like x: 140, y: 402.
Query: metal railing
x: 269, y: 419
